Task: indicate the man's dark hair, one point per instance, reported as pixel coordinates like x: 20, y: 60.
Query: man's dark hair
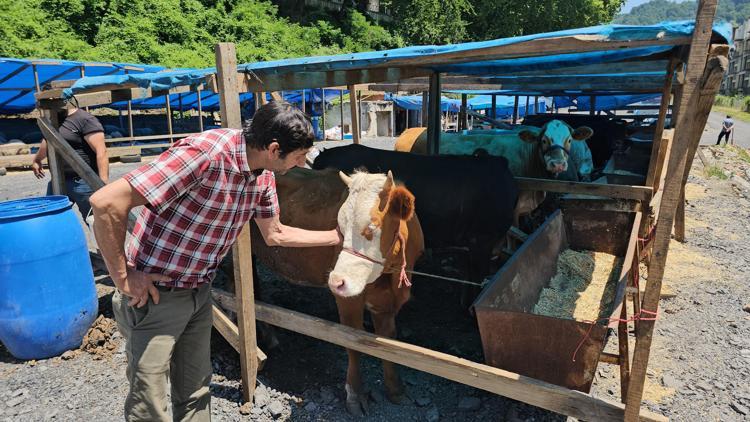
x: 281, y: 122
x: 729, y: 117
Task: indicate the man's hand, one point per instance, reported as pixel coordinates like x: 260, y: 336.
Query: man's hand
x: 139, y: 285
x: 38, y: 170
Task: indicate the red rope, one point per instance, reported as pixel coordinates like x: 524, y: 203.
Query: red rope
x: 639, y: 317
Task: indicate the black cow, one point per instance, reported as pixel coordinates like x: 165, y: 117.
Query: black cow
x: 461, y: 201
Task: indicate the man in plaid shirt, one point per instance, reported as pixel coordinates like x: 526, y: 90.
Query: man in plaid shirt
x: 197, y: 195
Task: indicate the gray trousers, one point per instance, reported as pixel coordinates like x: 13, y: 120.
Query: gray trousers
x: 170, y: 340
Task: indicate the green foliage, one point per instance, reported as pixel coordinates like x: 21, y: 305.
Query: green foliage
x: 716, y: 171
x: 508, y: 18
x: 656, y: 11
x: 432, y: 21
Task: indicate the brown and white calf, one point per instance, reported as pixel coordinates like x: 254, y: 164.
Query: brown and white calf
x: 382, y: 240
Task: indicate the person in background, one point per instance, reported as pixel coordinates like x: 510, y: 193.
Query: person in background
x: 727, y: 126
x: 85, y: 134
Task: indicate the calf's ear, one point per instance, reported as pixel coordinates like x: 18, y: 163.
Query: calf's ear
x: 346, y: 179
x: 582, y: 133
x: 528, y: 135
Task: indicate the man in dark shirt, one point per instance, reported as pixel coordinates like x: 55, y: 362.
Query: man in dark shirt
x: 86, y: 135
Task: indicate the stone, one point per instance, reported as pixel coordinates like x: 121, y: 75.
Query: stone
x: 720, y: 386
x: 423, y: 401
x: 742, y: 410
x: 433, y: 414
x: 469, y: 403
x: 15, y: 401
x: 704, y: 386
x: 246, y: 408
x: 745, y: 352
x: 51, y: 414
x: 19, y: 392
x: 311, y: 406
x: 261, y: 397
x: 670, y: 381
x: 276, y: 408
x: 326, y: 395
x: 746, y: 308
x: 377, y: 396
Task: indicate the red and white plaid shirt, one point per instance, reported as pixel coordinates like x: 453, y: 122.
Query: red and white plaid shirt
x: 200, y: 194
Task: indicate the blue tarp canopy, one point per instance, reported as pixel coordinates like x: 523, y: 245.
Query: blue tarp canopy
x: 504, y: 105
x: 592, y: 54
x: 603, y: 102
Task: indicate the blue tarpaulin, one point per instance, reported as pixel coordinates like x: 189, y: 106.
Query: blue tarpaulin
x: 603, y: 102
x: 426, y: 57
x: 504, y: 105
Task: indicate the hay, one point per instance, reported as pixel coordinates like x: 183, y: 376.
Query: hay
x: 583, y: 287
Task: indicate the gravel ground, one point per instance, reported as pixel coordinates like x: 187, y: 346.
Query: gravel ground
x: 699, y: 362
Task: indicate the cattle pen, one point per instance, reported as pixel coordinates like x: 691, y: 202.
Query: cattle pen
x: 683, y: 62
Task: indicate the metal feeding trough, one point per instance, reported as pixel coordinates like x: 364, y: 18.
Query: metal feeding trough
x: 539, y: 346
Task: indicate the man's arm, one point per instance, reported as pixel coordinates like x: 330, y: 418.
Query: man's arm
x: 277, y: 234
x: 36, y: 164
x: 111, y: 205
x: 97, y: 143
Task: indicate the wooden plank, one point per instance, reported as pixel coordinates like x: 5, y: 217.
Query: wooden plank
x: 150, y: 137
x: 231, y: 334
x: 434, y: 127
x: 609, y: 358
x: 601, y: 204
x: 226, y: 66
x: 53, y: 98
x: 518, y: 387
x: 67, y: 153
x: 641, y: 193
x: 666, y: 95
x: 307, y: 80
x: 354, y: 111
x: 694, y: 109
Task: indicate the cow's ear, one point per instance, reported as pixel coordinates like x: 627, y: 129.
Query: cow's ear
x: 528, y: 135
x: 582, y: 133
x: 346, y: 179
x: 401, y: 203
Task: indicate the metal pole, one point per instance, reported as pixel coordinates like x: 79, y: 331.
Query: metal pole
x: 83, y: 74
x: 526, y: 110
x: 536, y: 104
x: 515, y: 110
x: 304, y: 106
x: 592, y: 105
x: 462, y: 121
x: 130, y: 115
x: 423, y: 116
x: 493, y: 112
x: 434, y: 126
x: 323, y: 112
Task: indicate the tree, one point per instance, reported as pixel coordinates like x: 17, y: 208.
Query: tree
x: 431, y: 21
x: 509, y: 18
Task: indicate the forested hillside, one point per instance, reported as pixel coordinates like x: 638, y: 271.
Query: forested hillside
x: 660, y: 10
x: 181, y: 33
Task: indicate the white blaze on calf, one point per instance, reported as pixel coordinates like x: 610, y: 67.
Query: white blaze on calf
x: 352, y: 273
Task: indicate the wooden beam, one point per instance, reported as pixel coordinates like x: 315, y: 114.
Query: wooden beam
x: 640, y: 193
x: 354, y: 111
x: 229, y: 104
x: 231, y: 333
x: 518, y: 387
x: 694, y: 110
x: 434, y: 126
x: 326, y: 79
x: 53, y: 98
x: 666, y: 95
x: 54, y: 158
x: 67, y: 153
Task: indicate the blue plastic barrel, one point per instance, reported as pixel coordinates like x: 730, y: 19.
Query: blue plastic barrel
x: 47, y: 295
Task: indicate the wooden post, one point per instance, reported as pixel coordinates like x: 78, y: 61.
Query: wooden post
x: 463, y: 123
x: 323, y: 113
x: 700, y: 87
x: 199, y: 92
x: 226, y: 69
x: 393, y: 120
x: 169, y: 119
x: 592, y: 105
x: 55, y: 161
x: 67, y: 153
x: 493, y: 112
x: 526, y: 110
x: 303, y: 105
x: 424, y: 115
x: 354, y: 110
x: 433, y: 125
x: 341, y: 108
x: 360, y: 117
x: 515, y: 110
x: 666, y: 95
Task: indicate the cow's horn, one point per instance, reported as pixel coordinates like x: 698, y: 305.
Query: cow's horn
x: 388, y: 181
x: 346, y: 179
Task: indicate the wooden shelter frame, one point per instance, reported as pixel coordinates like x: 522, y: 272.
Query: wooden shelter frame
x: 655, y: 206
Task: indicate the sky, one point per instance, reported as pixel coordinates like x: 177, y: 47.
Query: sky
x: 629, y: 4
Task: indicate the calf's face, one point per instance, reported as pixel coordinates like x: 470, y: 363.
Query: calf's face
x: 373, y: 221
x: 554, y: 140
